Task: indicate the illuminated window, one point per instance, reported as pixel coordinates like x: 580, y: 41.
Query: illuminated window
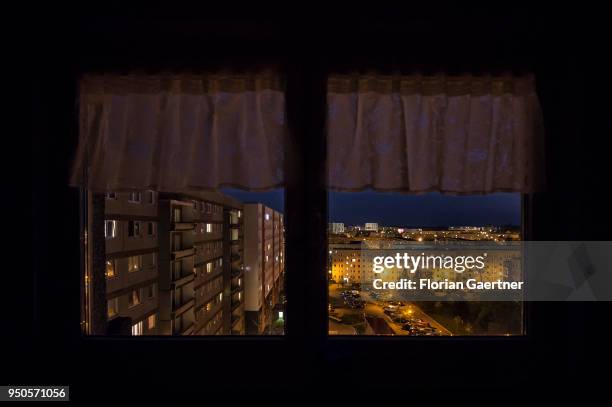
x: 209, y: 228
x: 134, y: 263
x: 110, y: 269
x: 111, y: 195
x: 110, y: 229
x: 113, y: 307
x: 267, y: 216
x: 151, y: 321
x: 209, y: 267
x: 137, y: 329
x: 134, y: 298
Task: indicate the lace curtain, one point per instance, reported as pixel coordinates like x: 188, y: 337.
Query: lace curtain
x: 457, y: 135
x: 180, y: 132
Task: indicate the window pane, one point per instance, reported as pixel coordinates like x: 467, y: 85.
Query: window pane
x: 204, y: 264
x: 361, y: 221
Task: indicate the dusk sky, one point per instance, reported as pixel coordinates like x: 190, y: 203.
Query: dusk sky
x: 394, y: 209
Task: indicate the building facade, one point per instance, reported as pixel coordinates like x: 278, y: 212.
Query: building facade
x: 263, y: 267
x: 371, y: 227
x: 172, y: 265
x: 131, y: 267
x: 336, y: 228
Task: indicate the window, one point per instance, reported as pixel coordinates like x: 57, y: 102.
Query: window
x: 110, y: 269
x: 176, y: 215
x: 134, y: 263
x: 151, y: 321
x: 152, y: 259
x: 150, y: 197
x: 110, y: 229
x: 111, y: 195
x: 151, y: 290
x: 151, y: 228
x: 415, y: 222
x: 177, y: 241
x: 177, y: 269
x: 267, y: 216
x: 134, y: 227
x: 137, y: 329
x: 134, y: 298
x: 135, y: 197
x: 113, y: 307
x: 191, y: 187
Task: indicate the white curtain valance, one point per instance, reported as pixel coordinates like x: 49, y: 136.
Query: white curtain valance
x: 180, y: 132
x: 461, y: 135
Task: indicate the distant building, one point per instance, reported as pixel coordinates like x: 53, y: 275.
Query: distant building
x: 263, y: 265
x: 336, y: 228
x: 372, y: 227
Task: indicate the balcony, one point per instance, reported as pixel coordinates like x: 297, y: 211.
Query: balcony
x: 182, y: 279
x: 181, y: 226
x: 236, y: 319
x: 188, y: 330
x: 184, y: 307
x: 182, y: 252
x: 236, y: 288
x: 236, y: 304
x: 236, y: 272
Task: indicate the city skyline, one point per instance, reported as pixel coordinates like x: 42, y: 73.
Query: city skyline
x: 395, y: 209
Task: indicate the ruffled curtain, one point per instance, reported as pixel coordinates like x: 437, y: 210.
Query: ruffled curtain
x: 457, y: 135
x: 182, y: 132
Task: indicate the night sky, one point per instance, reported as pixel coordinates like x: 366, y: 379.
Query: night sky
x: 393, y: 209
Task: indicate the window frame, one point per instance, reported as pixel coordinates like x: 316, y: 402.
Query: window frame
x: 117, y: 45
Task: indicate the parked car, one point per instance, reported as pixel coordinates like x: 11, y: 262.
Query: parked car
x: 399, y: 319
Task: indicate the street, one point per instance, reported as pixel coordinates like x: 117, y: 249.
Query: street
x: 373, y: 307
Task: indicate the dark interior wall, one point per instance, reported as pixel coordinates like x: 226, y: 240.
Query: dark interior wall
x: 563, y: 337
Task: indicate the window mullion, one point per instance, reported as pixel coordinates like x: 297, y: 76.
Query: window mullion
x: 306, y: 204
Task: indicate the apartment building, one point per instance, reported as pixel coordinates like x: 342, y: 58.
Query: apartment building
x: 263, y: 267
x: 336, y: 228
x: 171, y: 265
x: 131, y: 262
x: 200, y: 258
